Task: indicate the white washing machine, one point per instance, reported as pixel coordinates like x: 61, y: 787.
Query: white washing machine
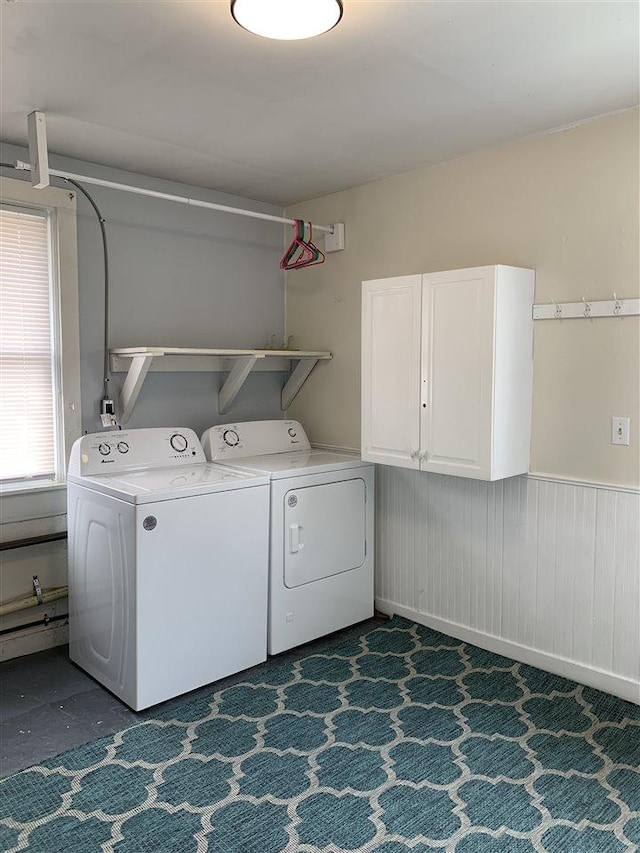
x: 322, y: 538
x: 168, y: 564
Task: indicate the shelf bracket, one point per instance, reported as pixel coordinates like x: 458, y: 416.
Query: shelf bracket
x: 297, y: 379
x: 138, y: 370
x: 234, y: 381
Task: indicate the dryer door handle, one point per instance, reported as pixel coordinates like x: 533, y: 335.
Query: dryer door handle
x: 295, y: 543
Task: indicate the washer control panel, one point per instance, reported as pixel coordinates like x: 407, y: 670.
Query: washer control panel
x: 253, y: 438
x: 126, y: 450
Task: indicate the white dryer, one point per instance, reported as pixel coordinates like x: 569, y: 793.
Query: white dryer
x: 322, y: 537
x: 167, y: 592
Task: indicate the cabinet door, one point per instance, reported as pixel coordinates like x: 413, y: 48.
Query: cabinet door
x: 457, y: 372
x: 391, y: 370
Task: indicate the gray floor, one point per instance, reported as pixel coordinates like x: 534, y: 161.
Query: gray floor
x: 49, y: 705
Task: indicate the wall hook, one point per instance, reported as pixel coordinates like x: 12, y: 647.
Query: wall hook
x: 617, y: 308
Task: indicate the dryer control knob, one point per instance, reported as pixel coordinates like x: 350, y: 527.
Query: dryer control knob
x: 292, y: 432
x: 123, y: 447
x: 104, y: 449
x: 178, y: 442
x: 230, y: 437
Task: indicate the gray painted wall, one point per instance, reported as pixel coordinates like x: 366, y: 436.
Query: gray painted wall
x: 180, y: 276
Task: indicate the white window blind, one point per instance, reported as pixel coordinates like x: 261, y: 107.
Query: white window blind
x: 28, y: 447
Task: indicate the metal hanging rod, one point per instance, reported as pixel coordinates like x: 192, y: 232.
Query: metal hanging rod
x: 193, y: 202
x: 40, y: 173
x: 587, y: 310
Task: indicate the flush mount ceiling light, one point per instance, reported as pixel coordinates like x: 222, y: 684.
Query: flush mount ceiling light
x: 287, y: 19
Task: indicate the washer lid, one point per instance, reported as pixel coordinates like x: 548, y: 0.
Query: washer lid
x: 160, y: 484
x: 280, y: 465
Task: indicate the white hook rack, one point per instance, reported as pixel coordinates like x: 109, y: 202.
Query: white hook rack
x: 587, y: 310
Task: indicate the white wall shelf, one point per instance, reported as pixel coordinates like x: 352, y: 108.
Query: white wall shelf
x: 239, y: 363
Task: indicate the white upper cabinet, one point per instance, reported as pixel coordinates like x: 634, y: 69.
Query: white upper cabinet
x: 447, y: 369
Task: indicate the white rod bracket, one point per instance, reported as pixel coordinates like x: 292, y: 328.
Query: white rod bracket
x: 138, y: 370
x: 234, y: 381
x: 38, y: 155
x: 334, y: 240
x: 587, y: 310
x: 295, y: 382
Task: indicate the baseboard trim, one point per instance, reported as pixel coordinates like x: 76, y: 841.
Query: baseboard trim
x: 624, y: 688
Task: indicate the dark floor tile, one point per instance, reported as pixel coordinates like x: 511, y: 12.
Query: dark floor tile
x: 60, y: 725
x: 29, y: 682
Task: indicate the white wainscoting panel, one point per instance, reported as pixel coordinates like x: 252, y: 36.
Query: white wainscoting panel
x: 543, y: 571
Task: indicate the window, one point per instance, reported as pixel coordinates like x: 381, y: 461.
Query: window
x: 28, y: 417
x: 39, y: 359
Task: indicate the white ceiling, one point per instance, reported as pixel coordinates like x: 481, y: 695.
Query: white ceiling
x: 176, y: 89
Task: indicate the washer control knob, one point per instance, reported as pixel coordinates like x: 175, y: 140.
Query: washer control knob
x: 123, y: 447
x: 178, y: 442
x: 230, y: 437
x: 104, y: 449
x: 292, y: 432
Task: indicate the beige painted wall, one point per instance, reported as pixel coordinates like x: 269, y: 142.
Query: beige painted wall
x: 566, y: 204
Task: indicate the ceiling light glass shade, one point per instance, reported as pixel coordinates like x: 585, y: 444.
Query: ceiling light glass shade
x: 287, y: 19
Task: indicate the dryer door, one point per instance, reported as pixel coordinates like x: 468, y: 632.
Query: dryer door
x: 324, y: 531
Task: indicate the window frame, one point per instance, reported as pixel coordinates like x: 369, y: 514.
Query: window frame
x: 60, y: 205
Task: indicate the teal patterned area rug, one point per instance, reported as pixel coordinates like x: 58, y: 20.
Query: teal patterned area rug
x: 400, y: 740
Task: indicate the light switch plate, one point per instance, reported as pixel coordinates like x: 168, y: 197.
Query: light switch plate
x: 619, y: 430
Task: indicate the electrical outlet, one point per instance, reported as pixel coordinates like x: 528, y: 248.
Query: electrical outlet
x: 619, y: 430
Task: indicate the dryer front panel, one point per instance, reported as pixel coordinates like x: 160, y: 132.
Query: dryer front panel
x: 324, y: 531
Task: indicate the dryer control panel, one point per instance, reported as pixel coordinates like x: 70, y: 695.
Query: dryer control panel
x: 134, y: 449
x: 253, y: 438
